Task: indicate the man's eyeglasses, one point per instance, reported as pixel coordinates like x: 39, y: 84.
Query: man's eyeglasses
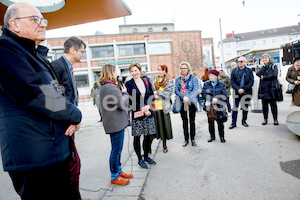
x: 36, y: 19
x: 183, y: 68
x: 240, y: 61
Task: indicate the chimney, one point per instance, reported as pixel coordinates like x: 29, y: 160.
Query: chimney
x: 228, y: 35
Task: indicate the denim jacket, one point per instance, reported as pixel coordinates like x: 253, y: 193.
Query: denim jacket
x: 193, y: 88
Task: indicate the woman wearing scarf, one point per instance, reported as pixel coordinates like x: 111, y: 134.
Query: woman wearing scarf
x: 267, y: 90
x: 164, y: 90
x: 187, y: 89
x: 114, y: 103
x: 214, y: 93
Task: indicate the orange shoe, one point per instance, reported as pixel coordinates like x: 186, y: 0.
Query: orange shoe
x: 124, y: 175
x: 120, y: 181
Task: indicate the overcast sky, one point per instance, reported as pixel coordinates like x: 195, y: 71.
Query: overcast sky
x: 198, y: 15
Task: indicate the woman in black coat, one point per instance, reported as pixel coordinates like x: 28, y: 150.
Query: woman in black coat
x: 267, y: 90
x: 214, y: 93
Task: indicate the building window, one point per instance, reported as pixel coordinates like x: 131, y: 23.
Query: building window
x: 58, y: 53
x: 82, y: 80
x: 254, y: 43
x: 132, y: 49
x: 274, y: 40
x: 165, y: 29
x: 135, y: 30
x: 103, y: 52
x: 264, y: 41
x: 228, y: 46
x: 150, y: 30
x: 160, y: 48
x: 284, y: 39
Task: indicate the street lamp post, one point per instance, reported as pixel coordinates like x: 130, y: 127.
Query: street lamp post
x: 223, y: 63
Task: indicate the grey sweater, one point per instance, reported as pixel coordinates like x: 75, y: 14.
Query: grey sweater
x: 113, y: 106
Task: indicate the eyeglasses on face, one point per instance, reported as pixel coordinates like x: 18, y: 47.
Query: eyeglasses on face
x: 183, y: 68
x: 36, y: 19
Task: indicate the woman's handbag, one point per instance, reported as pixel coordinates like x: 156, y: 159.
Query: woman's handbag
x: 278, y: 91
x: 177, y: 105
x: 212, y: 114
x: 222, y: 116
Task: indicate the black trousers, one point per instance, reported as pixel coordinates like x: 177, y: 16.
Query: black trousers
x: 45, y: 183
x: 184, y: 116
x: 211, y: 128
x: 273, y: 104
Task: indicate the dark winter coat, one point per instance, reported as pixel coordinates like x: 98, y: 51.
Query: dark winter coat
x: 267, y: 88
x: 33, y: 114
x: 208, y: 92
x: 236, y: 80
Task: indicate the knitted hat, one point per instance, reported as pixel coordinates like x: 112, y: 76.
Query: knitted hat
x: 213, y: 71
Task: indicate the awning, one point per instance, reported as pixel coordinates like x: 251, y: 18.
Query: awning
x: 74, y: 12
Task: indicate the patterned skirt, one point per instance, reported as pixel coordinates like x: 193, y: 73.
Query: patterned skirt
x: 145, y: 126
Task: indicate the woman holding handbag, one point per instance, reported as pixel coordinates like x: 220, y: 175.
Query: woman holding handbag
x: 267, y: 88
x: 114, y: 120
x: 187, y: 89
x: 163, y: 92
x: 215, y: 95
x: 143, y: 122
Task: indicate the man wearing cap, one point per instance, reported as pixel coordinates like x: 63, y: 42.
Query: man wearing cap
x: 242, y: 80
x: 35, y: 119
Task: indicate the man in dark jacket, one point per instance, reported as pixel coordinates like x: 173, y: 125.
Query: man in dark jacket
x: 35, y: 119
x: 73, y: 52
x: 241, y: 81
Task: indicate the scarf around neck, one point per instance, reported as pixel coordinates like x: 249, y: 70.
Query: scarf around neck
x: 161, y: 82
x: 182, y: 83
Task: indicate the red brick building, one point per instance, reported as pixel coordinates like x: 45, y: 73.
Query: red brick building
x: 148, y: 48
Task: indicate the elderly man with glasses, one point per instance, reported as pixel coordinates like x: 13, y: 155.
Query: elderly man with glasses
x: 241, y: 81
x: 35, y: 119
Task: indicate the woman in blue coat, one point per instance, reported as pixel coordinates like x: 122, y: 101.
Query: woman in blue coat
x: 187, y: 89
x: 214, y: 93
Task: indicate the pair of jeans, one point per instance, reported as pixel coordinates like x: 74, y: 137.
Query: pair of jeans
x: 245, y: 105
x: 116, y: 140
x: 272, y: 102
x: 191, y: 108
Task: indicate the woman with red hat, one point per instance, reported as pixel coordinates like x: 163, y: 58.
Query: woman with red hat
x: 215, y: 95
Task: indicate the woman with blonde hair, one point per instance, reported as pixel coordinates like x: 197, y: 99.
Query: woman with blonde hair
x: 187, y: 89
x: 163, y: 92
x: 114, y: 102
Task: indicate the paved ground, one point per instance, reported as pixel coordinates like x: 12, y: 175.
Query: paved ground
x: 247, y: 166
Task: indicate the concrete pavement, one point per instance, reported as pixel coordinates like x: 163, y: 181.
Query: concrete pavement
x: 247, y: 166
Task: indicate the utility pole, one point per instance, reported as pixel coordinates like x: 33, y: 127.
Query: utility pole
x: 223, y: 62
